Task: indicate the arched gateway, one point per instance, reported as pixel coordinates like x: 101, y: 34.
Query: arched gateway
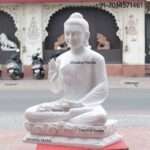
x: 7, y: 27
x: 101, y: 23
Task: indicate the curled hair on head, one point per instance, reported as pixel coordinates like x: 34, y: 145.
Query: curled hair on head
x: 77, y: 18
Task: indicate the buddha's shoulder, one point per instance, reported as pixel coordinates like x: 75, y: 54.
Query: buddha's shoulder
x: 64, y: 55
x: 96, y: 56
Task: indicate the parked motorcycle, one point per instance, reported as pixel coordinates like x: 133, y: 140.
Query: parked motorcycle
x: 14, y: 67
x: 38, y: 71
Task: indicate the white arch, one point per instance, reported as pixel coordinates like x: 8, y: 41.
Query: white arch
x: 50, y: 10
x: 12, y: 11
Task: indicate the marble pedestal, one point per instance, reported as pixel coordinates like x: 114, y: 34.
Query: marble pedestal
x: 121, y: 145
x: 65, y: 134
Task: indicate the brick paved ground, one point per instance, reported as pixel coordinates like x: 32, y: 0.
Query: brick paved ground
x: 137, y: 138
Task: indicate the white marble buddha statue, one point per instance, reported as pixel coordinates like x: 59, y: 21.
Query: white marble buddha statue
x: 80, y: 75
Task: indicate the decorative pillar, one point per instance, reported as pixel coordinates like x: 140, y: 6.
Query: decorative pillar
x: 32, y: 32
x: 134, y: 36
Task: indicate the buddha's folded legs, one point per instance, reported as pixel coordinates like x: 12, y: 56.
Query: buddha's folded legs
x: 35, y: 114
x: 95, y: 117
x: 44, y: 113
x: 84, y: 115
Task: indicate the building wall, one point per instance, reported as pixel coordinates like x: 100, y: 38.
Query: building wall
x: 28, y: 21
x: 134, y: 36
x: 32, y: 19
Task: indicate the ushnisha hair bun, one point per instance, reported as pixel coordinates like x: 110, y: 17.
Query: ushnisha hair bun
x: 76, y: 15
x: 77, y: 18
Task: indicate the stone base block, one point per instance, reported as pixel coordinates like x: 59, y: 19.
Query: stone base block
x: 121, y: 145
x: 70, y: 130
x: 95, y: 143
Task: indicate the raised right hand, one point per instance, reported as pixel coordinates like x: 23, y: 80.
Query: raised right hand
x: 53, y: 70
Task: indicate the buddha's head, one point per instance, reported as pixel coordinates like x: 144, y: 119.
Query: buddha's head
x: 76, y: 31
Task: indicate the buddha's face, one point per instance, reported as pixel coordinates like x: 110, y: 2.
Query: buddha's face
x: 75, y: 36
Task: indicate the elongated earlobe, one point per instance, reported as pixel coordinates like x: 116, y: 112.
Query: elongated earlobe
x: 87, y: 35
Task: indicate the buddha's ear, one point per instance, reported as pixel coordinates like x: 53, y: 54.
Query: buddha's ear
x: 52, y: 64
x: 87, y: 36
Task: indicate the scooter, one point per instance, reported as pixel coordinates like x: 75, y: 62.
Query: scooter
x: 14, y: 67
x: 38, y: 71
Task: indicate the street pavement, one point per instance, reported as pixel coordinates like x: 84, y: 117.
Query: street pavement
x: 114, y: 82
x: 136, y: 136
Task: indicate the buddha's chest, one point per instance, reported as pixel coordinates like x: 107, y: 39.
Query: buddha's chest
x: 75, y: 71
